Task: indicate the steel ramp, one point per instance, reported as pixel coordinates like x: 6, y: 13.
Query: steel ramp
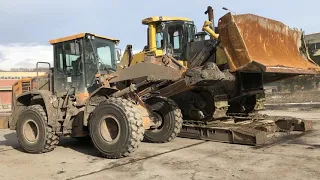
x: 248, y: 131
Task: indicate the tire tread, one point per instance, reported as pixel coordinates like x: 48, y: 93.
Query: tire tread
x: 51, y: 138
x: 136, y: 125
x: 177, y: 125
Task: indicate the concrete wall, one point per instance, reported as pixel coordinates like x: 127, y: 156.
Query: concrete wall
x: 18, y: 75
x: 7, y: 79
x: 5, y: 97
x: 314, y: 41
x: 5, y: 93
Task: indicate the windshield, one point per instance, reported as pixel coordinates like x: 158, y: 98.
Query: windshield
x: 99, y: 58
x: 106, y: 53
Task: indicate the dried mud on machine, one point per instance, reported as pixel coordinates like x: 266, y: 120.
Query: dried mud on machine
x: 180, y: 84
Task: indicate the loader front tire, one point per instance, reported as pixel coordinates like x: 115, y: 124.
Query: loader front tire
x: 33, y: 132
x: 116, y: 128
x: 171, y: 120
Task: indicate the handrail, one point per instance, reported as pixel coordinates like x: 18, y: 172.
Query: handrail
x: 49, y: 74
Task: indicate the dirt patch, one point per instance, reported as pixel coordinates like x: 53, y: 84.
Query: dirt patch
x: 296, y: 97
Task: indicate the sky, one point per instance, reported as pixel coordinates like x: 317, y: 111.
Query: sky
x: 26, y: 26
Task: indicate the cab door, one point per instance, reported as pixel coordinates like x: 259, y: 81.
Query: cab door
x: 68, y: 68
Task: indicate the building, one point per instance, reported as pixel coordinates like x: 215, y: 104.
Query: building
x: 313, y: 41
x: 7, y: 79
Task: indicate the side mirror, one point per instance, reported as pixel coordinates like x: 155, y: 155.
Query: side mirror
x: 118, y: 54
x: 163, y: 26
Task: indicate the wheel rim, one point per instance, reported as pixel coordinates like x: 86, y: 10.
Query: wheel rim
x: 31, y: 131
x: 159, y: 120
x: 110, y: 129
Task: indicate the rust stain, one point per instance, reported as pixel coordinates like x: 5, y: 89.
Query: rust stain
x: 82, y: 97
x: 249, y: 38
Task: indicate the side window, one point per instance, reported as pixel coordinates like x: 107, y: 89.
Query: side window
x: 176, y: 40
x: 73, y: 62
x: 159, y: 39
x: 61, y: 60
x: 68, y: 56
x: 59, y: 55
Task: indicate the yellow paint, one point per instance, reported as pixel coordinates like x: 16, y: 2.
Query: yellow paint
x: 152, y: 19
x: 206, y: 28
x: 138, y: 58
x: 152, y: 37
x: 221, y: 57
x: 159, y: 52
x: 124, y: 60
x: 152, y: 23
x: 17, y: 87
x: 80, y: 35
x: 183, y: 63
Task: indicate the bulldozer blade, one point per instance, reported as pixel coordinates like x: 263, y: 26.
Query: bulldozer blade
x: 254, y: 43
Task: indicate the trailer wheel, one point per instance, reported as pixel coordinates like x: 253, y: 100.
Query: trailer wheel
x: 116, y: 128
x: 33, y: 132
x: 169, y: 114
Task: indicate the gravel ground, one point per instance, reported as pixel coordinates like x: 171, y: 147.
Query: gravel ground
x: 296, y: 97
x: 180, y: 159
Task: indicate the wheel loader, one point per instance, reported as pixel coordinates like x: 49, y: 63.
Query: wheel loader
x: 81, y: 96
x: 242, y: 53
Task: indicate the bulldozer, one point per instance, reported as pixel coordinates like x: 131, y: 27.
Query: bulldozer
x: 246, y: 51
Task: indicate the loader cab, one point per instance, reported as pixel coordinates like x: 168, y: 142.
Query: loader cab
x: 79, y: 58
x: 169, y: 35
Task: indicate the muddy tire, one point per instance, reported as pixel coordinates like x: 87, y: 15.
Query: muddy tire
x: 33, y: 132
x: 116, y: 128
x: 171, y: 124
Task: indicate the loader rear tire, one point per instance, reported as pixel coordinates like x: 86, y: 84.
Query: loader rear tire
x: 33, y: 132
x: 171, y: 118
x: 116, y: 128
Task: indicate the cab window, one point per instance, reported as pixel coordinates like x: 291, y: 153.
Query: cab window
x: 159, y: 38
x: 175, y: 33
x: 68, y: 56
